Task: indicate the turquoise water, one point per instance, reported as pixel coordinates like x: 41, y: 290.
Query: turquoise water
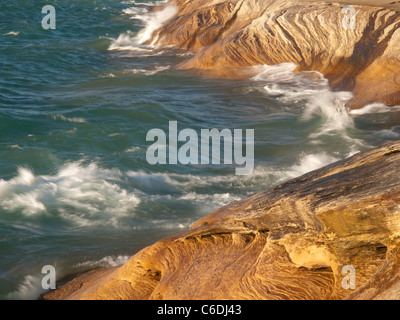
x: 76, y: 104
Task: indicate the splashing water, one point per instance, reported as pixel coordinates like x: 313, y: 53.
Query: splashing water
x: 311, y: 88
x: 88, y: 190
x: 153, y: 21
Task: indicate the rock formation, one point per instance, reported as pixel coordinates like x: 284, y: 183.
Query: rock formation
x: 228, y: 34
x: 290, y: 242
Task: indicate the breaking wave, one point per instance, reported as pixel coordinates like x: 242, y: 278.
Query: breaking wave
x: 375, y: 108
x: 89, y: 196
x: 30, y: 287
x: 79, y: 194
x: 152, y: 21
x: 283, y: 83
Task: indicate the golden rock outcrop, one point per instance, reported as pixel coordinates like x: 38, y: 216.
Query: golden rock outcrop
x: 290, y: 242
x: 227, y: 34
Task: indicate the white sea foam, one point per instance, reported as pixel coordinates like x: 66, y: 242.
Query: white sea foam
x: 108, y: 75
x: 29, y: 289
x: 15, y: 146
x: 374, y: 108
x: 147, y: 72
x: 208, y: 202
x: 163, y: 224
x: 310, y: 162
x: 149, y: 4
x: 108, y: 261
x: 88, y: 195
x: 11, y: 33
x: 150, y: 72
x: 64, y: 118
x: 288, y: 86
x: 267, y: 177
x: 195, y: 188
x: 153, y: 21
x: 84, y: 195
x: 132, y: 149
x: 128, y: 42
x: 135, y: 11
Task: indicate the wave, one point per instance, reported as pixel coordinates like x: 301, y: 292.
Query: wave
x: 108, y: 75
x: 108, y: 261
x: 153, y: 21
x: 146, y: 72
x: 149, y: 4
x: 150, y: 72
x: 29, y: 289
x: 288, y: 86
x: 132, y: 149
x: 86, y: 195
x: 304, y: 164
x: 12, y: 33
x: 307, y: 163
x: 374, y: 108
x: 311, y: 91
x: 83, y: 195
x: 31, y: 286
x: 190, y: 186
x: 128, y: 42
x: 66, y: 119
x: 136, y: 12
x: 393, y: 133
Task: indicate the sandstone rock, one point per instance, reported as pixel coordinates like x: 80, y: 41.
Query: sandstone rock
x: 290, y: 242
x: 227, y: 34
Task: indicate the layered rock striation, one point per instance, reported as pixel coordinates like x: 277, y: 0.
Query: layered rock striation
x: 358, y: 53
x: 290, y: 242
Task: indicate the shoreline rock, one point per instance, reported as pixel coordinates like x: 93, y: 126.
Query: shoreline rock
x: 226, y: 35
x: 290, y: 242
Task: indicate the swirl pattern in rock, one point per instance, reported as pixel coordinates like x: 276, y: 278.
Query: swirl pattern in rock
x: 317, y: 36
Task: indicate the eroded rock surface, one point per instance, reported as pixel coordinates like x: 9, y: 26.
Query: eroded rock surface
x: 227, y: 34
x: 290, y: 242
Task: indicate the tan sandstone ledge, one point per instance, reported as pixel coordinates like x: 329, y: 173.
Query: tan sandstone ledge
x: 227, y: 35
x: 290, y: 242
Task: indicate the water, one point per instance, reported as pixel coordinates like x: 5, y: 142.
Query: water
x: 76, y: 103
